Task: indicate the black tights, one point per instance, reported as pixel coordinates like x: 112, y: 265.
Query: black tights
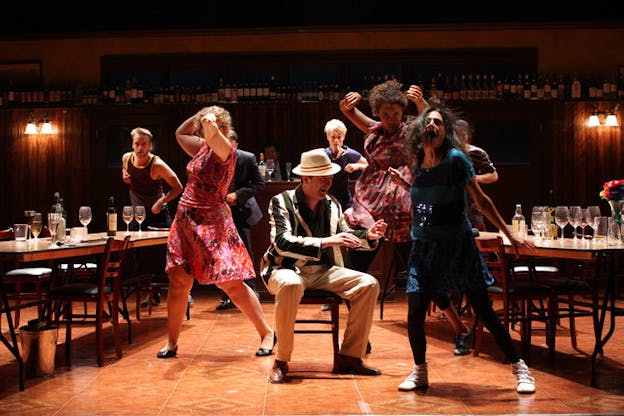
x: 481, y: 305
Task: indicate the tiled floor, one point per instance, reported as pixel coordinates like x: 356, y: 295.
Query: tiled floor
x: 216, y: 372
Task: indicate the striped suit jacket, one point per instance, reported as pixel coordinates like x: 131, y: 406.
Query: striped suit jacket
x: 292, y: 243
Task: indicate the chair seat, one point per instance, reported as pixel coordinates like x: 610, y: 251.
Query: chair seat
x: 520, y: 288
x: 77, y: 289
x: 315, y: 293
x: 33, y: 272
x: 560, y: 284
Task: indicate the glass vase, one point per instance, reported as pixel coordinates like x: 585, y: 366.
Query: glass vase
x: 615, y: 226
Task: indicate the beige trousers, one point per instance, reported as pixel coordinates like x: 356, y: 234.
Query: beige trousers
x: 360, y: 289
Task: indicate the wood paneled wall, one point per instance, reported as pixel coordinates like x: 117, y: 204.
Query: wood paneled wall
x: 566, y: 156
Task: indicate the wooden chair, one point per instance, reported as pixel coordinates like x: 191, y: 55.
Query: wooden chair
x: 145, y: 284
x: 104, y: 294
x: 517, y: 297
x: 321, y: 297
x: 25, y: 284
x: 570, y: 284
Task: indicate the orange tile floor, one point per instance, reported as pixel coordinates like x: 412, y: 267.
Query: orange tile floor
x: 217, y: 373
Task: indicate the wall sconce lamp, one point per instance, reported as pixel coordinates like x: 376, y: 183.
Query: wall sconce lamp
x: 33, y: 125
x: 601, y: 118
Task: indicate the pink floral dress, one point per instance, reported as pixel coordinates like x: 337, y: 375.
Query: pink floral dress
x: 376, y: 196
x: 203, y: 238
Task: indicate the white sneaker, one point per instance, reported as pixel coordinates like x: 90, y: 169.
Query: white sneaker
x: 416, y: 380
x: 526, y: 382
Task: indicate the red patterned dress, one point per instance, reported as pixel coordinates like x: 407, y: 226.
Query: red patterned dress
x: 203, y: 238
x: 376, y: 196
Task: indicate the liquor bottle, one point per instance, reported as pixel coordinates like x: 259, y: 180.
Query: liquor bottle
x: 552, y: 225
x: 111, y: 217
x: 518, y: 224
x: 262, y: 166
x: 61, y: 230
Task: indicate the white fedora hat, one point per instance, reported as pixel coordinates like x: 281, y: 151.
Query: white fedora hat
x: 315, y: 163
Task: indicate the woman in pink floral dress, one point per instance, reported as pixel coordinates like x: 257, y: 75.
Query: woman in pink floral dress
x: 203, y: 241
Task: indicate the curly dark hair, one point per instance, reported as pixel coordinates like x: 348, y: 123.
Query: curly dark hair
x: 419, y: 126
x: 388, y: 92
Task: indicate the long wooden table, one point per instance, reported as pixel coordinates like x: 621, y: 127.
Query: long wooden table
x: 42, y: 249
x: 591, y: 251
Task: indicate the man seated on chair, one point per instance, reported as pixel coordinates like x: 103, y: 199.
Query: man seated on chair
x: 307, y: 231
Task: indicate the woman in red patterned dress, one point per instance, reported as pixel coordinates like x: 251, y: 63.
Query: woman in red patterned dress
x: 203, y: 241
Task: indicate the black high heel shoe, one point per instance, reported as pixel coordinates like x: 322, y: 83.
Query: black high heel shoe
x: 263, y: 352
x: 167, y: 353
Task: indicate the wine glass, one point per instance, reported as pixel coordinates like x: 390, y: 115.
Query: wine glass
x: 288, y: 170
x: 139, y: 215
x: 36, y: 225
x: 128, y: 215
x: 575, y: 218
x: 84, y: 215
x: 54, y: 220
x: 270, y: 167
x: 29, y: 213
x: 593, y: 216
x: 561, y: 218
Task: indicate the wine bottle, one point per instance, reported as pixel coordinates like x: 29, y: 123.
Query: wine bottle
x: 62, y: 227
x: 518, y: 224
x: 552, y: 225
x: 262, y: 166
x: 111, y: 217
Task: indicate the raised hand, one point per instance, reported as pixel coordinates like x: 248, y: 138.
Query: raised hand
x: 350, y: 101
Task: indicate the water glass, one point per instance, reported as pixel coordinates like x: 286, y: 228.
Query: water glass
x: 20, y: 231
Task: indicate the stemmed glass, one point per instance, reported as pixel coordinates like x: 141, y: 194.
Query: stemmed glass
x: 54, y: 220
x: 84, y: 215
x: 139, y: 215
x: 575, y: 219
x: 270, y: 167
x: 29, y: 217
x: 36, y: 225
x: 561, y: 218
x: 128, y: 215
x: 593, y: 216
x: 288, y: 170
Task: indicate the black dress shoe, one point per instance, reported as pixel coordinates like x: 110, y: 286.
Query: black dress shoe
x: 167, y: 353
x: 462, y: 344
x: 278, y: 372
x: 263, y: 352
x: 225, y: 304
x: 354, y: 365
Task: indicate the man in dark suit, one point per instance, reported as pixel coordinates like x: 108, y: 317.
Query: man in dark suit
x: 246, y: 183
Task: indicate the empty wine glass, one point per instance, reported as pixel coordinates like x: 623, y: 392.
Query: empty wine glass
x: 128, y: 215
x: 288, y: 170
x: 54, y: 220
x: 561, y: 218
x: 574, y: 215
x: 36, y: 225
x: 84, y: 215
x: 270, y: 167
x: 139, y: 215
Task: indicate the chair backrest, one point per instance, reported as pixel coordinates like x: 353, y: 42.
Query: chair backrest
x: 112, y: 263
x: 493, y: 252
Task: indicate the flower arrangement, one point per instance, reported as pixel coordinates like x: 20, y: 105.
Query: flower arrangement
x: 613, y: 190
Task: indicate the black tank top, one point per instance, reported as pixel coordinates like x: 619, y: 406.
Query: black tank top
x: 143, y: 189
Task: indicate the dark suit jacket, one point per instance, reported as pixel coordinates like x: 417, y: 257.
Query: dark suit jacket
x: 247, y: 181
